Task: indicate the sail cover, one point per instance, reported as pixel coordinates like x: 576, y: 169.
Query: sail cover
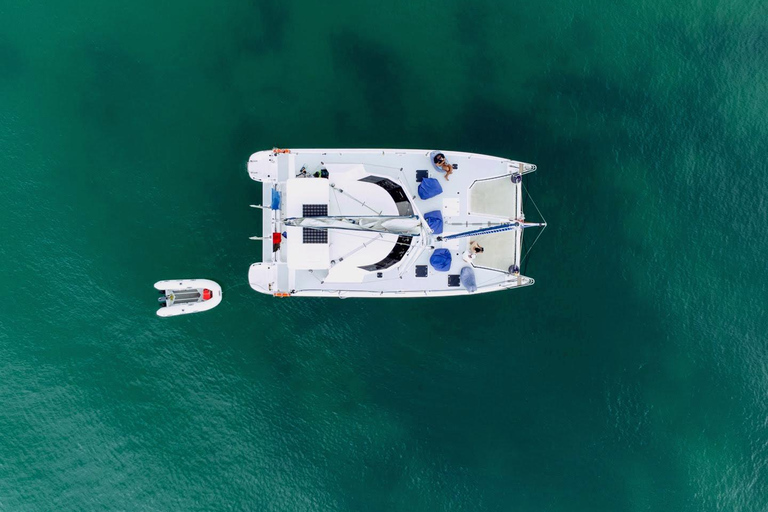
x: 441, y: 260
x: 467, y: 276
x: 405, y: 226
x: 435, y: 221
x: 429, y: 187
x: 275, y: 205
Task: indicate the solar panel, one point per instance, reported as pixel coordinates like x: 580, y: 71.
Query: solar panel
x: 310, y: 235
x: 314, y: 236
x: 314, y: 210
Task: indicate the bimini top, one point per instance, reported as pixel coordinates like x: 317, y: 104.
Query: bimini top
x: 350, y: 224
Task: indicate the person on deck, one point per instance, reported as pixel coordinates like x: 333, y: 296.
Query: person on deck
x: 474, y: 250
x: 442, y: 164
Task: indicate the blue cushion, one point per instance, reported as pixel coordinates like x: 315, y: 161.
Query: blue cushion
x: 275, y: 200
x: 429, y: 187
x: 441, y: 260
x: 432, y: 156
x: 468, y: 279
x: 435, y: 221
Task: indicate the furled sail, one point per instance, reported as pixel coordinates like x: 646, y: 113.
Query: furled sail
x: 398, y: 225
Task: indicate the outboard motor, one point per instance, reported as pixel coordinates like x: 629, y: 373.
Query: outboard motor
x: 162, y: 300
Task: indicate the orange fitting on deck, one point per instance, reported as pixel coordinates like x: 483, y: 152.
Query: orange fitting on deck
x: 277, y: 151
x: 282, y: 294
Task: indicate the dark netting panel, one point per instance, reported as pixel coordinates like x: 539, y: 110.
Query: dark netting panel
x: 395, y: 191
x: 396, y: 254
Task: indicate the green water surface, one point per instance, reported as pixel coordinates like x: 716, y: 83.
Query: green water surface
x: 632, y: 377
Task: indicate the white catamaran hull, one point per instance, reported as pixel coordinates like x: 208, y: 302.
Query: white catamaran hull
x: 356, y: 223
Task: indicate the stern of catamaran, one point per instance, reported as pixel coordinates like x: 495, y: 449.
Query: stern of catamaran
x: 265, y: 167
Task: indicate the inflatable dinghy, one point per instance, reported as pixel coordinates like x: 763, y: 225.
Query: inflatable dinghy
x: 185, y: 296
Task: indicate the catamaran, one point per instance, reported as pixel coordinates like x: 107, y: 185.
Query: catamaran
x: 389, y: 223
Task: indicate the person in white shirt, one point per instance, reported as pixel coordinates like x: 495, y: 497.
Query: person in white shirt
x: 474, y: 250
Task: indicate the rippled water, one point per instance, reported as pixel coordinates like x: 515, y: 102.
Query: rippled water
x: 633, y: 376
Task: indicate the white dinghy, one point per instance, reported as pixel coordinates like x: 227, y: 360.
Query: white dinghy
x: 185, y: 296
x: 389, y: 223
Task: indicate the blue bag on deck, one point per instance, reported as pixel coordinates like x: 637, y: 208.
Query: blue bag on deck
x: 275, y: 200
x: 467, y: 276
x: 429, y: 187
x: 435, y: 221
x: 441, y: 260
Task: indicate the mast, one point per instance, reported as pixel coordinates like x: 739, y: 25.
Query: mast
x: 409, y: 225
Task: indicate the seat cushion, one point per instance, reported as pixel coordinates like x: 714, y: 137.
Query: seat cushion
x: 429, y: 187
x: 441, y: 260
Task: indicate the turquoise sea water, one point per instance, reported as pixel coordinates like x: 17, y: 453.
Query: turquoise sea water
x: 633, y: 376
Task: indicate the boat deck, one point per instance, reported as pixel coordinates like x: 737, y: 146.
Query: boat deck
x: 478, y: 194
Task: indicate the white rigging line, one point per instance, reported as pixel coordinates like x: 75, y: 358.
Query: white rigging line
x: 542, y: 218
x: 360, y: 247
x: 341, y: 191
x: 338, y: 207
x: 368, y: 241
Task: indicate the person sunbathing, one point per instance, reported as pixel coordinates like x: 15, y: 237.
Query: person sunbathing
x: 442, y: 164
x: 474, y: 250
